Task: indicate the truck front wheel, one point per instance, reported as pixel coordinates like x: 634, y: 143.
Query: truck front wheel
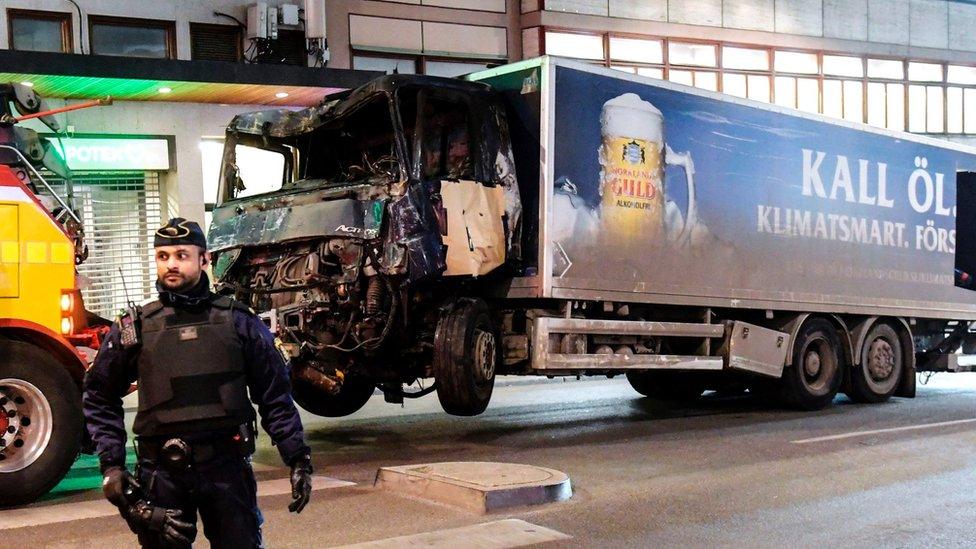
x: 40, y: 422
x: 882, y: 364
x: 466, y: 352
x: 352, y: 396
x: 812, y: 381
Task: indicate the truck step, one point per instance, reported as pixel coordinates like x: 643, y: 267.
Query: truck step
x: 627, y: 327
x: 630, y: 362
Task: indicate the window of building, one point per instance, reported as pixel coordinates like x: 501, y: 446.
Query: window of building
x: 580, y: 46
x: 886, y: 68
x: 132, y: 37
x: 636, y: 50
x: 837, y: 65
x: 796, y: 62
x: 215, y: 42
x: 451, y: 69
x: 897, y: 94
x: 39, y: 30
x: 745, y: 59
x: 924, y: 72
x: 700, y: 55
x: 389, y: 65
x: 291, y: 47
x: 419, y: 64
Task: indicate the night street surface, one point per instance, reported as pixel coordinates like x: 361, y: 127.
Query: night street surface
x: 727, y: 472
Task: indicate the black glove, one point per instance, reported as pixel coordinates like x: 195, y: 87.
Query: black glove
x: 114, y: 483
x: 164, y: 522
x: 301, y: 483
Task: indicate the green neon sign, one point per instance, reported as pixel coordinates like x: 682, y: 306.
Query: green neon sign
x: 111, y: 153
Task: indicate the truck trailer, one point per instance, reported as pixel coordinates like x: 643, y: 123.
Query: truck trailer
x: 555, y: 218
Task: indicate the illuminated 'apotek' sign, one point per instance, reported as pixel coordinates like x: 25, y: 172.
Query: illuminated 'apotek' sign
x: 110, y: 153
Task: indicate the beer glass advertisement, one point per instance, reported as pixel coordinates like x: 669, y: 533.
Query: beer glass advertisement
x: 664, y: 191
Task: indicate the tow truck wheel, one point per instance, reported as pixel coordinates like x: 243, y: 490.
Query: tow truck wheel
x: 666, y: 386
x: 41, y: 421
x: 882, y: 364
x: 352, y: 396
x: 812, y: 381
x: 466, y: 351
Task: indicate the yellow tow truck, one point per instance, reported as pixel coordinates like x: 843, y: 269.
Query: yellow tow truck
x: 46, y: 343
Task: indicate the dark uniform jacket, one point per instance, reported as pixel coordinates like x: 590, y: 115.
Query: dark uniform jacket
x: 115, y: 369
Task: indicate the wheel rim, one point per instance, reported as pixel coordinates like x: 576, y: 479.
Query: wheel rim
x: 881, y: 370
x: 819, y: 366
x: 484, y: 352
x: 881, y: 360
x: 27, y: 425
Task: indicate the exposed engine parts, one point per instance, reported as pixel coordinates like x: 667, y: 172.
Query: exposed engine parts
x: 324, y: 297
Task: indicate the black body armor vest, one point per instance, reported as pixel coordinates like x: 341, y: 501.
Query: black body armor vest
x: 191, y: 371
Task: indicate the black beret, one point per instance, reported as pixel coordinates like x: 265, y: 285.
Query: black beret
x: 179, y: 231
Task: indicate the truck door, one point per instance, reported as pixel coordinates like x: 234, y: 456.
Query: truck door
x: 472, y: 206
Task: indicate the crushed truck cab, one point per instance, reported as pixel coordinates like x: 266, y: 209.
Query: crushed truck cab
x: 387, y: 196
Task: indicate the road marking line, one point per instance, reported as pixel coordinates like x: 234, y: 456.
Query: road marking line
x: 83, y: 510
x: 499, y: 534
x: 881, y: 431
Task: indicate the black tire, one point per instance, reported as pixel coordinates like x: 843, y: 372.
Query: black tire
x: 466, y: 352
x: 675, y: 387
x: 881, y: 367
x: 812, y: 381
x: 25, y: 368
x: 352, y: 396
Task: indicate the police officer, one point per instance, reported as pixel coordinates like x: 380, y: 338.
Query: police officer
x: 195, y: 356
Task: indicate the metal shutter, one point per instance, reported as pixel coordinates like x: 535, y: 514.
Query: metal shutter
x: 120, y: 211
x: 215, y: 42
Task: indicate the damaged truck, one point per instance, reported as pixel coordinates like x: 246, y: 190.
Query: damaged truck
x: 548, y: 217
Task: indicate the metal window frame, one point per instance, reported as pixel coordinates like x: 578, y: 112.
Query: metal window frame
x: 65, y: 18
x: 132, y: 22
x: 772, y: 73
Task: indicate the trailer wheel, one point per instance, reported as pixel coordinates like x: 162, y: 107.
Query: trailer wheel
x: 882, y: 364
x: 666, y: 386
x: 41, y: 424
x: 352, y: 396
x: 466, y: 352
x: 812, y: 381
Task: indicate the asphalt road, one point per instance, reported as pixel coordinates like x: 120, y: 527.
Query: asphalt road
x: 726, y: 472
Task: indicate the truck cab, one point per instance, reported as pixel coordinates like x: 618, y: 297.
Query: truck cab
x: 384, y: 194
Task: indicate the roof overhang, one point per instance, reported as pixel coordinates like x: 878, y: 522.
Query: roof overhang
x: 72, y: 76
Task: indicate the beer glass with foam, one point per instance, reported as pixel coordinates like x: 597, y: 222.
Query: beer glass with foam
x: 633, y: 156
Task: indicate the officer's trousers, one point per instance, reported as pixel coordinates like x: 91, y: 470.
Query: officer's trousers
x: 224, y: 492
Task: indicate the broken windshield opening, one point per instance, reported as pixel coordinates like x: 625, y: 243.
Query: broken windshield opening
x: 358, y: 147
x: 354, y: 148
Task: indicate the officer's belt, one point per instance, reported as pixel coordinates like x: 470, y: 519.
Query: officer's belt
x: 200, y: 451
